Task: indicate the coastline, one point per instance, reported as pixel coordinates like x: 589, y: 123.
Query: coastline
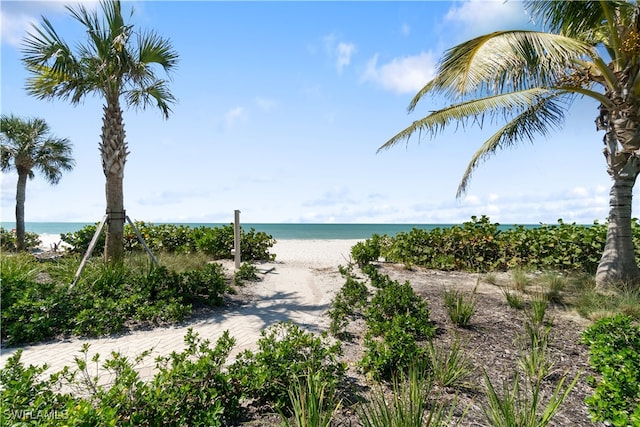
x: 301, y: 252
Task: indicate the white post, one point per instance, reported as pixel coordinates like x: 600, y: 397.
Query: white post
x: 236, y: 238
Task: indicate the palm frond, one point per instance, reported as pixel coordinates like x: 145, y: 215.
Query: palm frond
x: 540, y: 118
x: 504, y: 61
x: 508, y: 103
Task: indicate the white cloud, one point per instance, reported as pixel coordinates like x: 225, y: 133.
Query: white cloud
x: 344, y: 51
x: 338, y: 51
x: 18, y: 17
x: 402, y: 75
x: 266, y: 104
x: 475, y: 17
x: 235, y: 115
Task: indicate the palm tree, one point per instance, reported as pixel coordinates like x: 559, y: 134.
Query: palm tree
x: 115, y: 63
x: 591, y: 49
x: 27, y: 146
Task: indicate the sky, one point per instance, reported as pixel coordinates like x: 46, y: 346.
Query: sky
x: 281, y: 109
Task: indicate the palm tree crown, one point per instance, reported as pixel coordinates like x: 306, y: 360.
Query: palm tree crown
x: 27, y: 146
x: 530, y: 78
x: 119, y: 65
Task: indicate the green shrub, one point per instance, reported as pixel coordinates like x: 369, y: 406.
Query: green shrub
x: 286, y: 353
x: 190, y: 388
x: 246, y: 272
x: 398, y: 304
x: 481, y: 246
x: 347, y: 304
x: 25, y: 398
x: 392, y: 353
x: 8, y: 240
x: 614, y: 348
x: 366, y: 252
x: 35, y: 307
x: 216, y: 242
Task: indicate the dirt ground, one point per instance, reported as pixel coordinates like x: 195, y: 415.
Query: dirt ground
x: 491, y: 343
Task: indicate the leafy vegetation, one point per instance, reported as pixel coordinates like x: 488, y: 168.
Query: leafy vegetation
x: 216, y: 242
x: 614, y: 346
x: 189, y: 388
x: 35, y: 307
x: 286, y: 354
x: 8, y: 240
x: 481, y: 246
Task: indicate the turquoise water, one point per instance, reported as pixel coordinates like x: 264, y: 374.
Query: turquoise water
x: 278, y: 231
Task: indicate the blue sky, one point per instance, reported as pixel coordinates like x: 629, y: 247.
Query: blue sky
x: 281, y: 108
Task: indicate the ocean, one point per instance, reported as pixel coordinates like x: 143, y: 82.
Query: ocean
x: 278, y: 231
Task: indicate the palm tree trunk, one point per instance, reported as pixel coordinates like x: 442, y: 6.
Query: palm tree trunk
x: 21, y: 192
x: 113, y: 149
x: 618, y: 262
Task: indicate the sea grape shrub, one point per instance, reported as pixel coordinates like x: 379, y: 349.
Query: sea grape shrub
x: 246, y: 272
x: 614, y: 348
x: 482, y: 246
x: 216, y: 242
x: 160, y: 237
x: 366, y: 252
x: 255, y: 245
x: 8, y: 240
x: 286, y: 353
x: 79, y: 241
x: 193, y: 387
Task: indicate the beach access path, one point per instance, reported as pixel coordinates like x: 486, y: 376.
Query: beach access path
x: 298, y: 287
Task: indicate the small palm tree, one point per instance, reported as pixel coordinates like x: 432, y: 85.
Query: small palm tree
x: 115, y: 63
x: 530, y: 78
x: 27, y: 146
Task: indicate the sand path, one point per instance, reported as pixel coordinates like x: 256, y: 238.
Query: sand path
x: 299, y: 287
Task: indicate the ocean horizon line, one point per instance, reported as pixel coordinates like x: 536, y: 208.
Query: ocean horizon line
x: 303, y: 231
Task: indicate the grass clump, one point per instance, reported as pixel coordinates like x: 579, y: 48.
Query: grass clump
x: 413, y: 402
x: 460, y: 307
x: 313, y: 402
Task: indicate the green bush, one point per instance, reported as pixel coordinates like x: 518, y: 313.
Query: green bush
x: 364, y: 253
x: 36, y: 307
x: 614, y: 348
x: 392, y: 353
x: 190, y: 388
x: 481, y: 246
x: 286, y: 354
x: 397, y: 319
x: 348, y: 303
x: 398, y: 304
x: 8, y: 240
x: 246, y: 272
x: 216, y: 242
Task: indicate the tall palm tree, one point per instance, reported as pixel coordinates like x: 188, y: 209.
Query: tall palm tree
x: 119, y: 65
x: 27, y: 146
x: 591, y: 49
